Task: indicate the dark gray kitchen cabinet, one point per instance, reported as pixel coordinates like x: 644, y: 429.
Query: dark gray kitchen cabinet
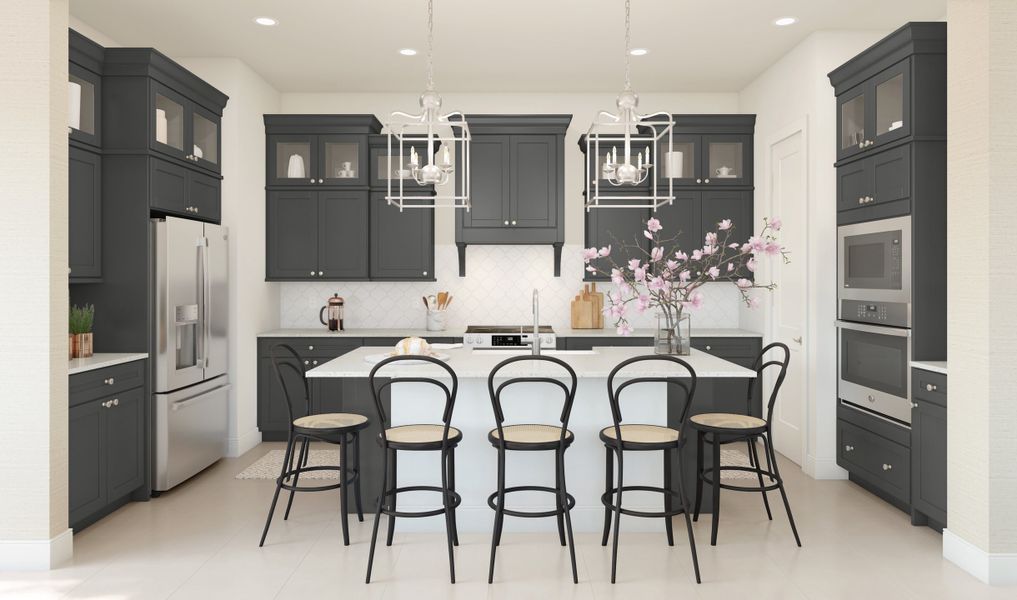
x: 292, y: 238
x: 880, y: 180
x: 84, y: 194
x: 343, y: 235
x: 876, y: 454
x: 106, y: 440
x: 717, y: 205
x: 86, y: 455
x: 396, y: 168
x: 402, y: 243
x: 707, y: 151
x: 875, y: 112
x: 88, y: 84
x: 184, y: 192
x: 928, y: 449
x: 620, y: 228
x: 516, y: 183
x: 316, y: 235
x: 272, y: 415
x: 318, y: 150
x: 680, y: 220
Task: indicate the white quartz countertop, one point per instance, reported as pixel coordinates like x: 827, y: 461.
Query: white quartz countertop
x: 936, y: 366
x: 459, y: 332
x: 101, y: 360
x: 469, y: 363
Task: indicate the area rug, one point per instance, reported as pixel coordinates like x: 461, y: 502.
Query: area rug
x: 268, y: 466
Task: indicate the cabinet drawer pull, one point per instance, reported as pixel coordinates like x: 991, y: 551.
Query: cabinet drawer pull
x: 930, y: 387
x: 887, y: 467
x: 849, y: 448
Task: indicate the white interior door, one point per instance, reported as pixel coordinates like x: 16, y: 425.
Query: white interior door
x: 788, y: 176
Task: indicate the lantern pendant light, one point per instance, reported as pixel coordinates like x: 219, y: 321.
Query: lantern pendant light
x: 648, y: 133
x: 436, y: 135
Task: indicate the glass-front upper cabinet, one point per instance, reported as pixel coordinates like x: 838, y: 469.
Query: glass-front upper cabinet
x: 343, y: 159
x: 293, y: 159
x: 727, y: 159
x: 83, y: 96
x: 183, y: 129
x: 875, y: 112
x: 681, y: 162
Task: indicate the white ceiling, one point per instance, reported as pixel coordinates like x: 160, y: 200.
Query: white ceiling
x: 487, y: 46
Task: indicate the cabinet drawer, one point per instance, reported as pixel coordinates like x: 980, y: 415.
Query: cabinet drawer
x: 104, y: 382
x: 728, y: 347
x: 879, y: 461
x: 311, y: 348
x: 928, y: 386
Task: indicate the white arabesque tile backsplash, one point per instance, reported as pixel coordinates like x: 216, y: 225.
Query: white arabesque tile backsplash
x: 497, y: 290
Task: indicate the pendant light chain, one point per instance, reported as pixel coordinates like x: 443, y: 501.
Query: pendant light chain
x: 430, y: 45
x: 628, y: 43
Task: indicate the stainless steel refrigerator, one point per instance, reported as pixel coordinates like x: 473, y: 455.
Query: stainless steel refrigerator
x: 191, y: 289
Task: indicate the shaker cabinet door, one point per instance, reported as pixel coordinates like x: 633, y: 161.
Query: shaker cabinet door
x: 620, y: 228
x: 533, y: 177
x: 87, y: 460
x: 402, y: 243
x: 292, y: 241
x: 205, y: 196
x: 489, y: 182
x: 84, y: 215
x: 342, y: 235
x: 170, y: 184
x: 125, y: 450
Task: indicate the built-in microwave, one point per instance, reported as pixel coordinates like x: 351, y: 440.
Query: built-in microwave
x: 874, y: 272
x: 873, y: 369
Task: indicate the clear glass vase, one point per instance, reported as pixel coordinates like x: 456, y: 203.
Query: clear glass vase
x: 673, y: 335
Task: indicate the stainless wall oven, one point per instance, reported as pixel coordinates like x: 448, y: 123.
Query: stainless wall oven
x: 873, y: 370
x: 874, y: 272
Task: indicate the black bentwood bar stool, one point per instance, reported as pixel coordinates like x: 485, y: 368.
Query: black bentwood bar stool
x: 624, y: 437
x: 334, y: 428
x: 533, y: 438
x: 722, y: 428
x: 417, y: 438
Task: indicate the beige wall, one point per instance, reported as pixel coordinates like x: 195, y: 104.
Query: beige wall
x: 254, y: 304
x: 796, y: 90
x: 982, y: 328
x: 33, y: 265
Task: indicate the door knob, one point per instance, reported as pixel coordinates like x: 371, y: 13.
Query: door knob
x: 798, y: 340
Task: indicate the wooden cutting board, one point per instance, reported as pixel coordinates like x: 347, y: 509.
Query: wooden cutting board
x: 586, y: 309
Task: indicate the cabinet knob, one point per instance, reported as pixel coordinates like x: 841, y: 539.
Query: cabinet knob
x: 116, y: 401
x: 321, y: 181
x: 699, y: 180
x: 849, y: 448
x: 887, y: 467
x: 312, y: 273
x: 930, y: 388
x: 314, y: 362
x: 709, y: 347
x: 320, y: 273
x: 310, y: 347
x: 425, y: 273
x: 914, y: 405
x: 506, y: 222
x: 707, y: 180
x: 513, y: 222
x: 861, y: 200
x: 307, y: 362
x: 109, y: 381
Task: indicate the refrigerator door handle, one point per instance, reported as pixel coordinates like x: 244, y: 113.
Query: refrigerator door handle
x: 203, y: 292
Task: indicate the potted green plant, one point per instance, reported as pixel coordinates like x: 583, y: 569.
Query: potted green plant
x: 81, y: 320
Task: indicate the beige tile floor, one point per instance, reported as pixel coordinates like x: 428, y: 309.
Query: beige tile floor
x: 201, y: 541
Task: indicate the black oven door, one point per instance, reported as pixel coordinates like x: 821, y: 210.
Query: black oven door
x: 873, y: 368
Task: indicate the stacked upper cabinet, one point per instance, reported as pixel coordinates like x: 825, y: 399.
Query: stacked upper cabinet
x: 709, y: 165
x: 84, y: 189
x: 327, y: 217
x: 162, y: 122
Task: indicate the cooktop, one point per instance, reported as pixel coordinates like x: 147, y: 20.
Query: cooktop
x: 507, y: 329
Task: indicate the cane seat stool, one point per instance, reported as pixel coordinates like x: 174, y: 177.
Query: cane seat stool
x: 422, y: 437
x: 533, y: 437
x: 621, y: 437
x: 342, y: 429
x: 717, y: 429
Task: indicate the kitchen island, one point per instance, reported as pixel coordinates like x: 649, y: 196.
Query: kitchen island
x: 721, y: 387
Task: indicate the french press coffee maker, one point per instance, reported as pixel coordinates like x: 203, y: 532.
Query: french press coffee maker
x: 335, y: 313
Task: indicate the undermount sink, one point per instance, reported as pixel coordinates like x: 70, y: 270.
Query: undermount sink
x: 522, y: 351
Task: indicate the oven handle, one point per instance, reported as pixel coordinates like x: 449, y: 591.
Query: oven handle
x: 877, y: 329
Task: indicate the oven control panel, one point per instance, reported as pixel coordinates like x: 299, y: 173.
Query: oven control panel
x: 896, y: 314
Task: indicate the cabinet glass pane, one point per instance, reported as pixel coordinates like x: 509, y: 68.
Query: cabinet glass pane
x: 890, y: 105
x: 169, y: 122
x: 725, y: 160
x: 400, y: 167
x: 292, y: 160
x: 633, y: 160
x: 206, y: 139
x: 852, y: 122
x: 342, y: 160
x: 680, y: 162
x: 81, y: 105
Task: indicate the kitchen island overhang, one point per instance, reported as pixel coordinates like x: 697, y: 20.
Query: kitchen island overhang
x: 722, y: 387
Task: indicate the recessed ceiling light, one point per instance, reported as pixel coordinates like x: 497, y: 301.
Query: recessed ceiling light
x: 638, y: 51
x: 266, y: 21
x: 785, y: 21
x: 408, y: 52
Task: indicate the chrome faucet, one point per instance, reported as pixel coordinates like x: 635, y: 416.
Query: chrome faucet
x: 536, y: 323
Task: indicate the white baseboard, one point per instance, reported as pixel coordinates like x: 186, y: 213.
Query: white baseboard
x: 36, y: 555
x: 238, y: 446
x: 993, y: 568
x: 823, y: 468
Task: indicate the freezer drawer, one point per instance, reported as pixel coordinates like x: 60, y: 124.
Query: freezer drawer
x: 190, y: 431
